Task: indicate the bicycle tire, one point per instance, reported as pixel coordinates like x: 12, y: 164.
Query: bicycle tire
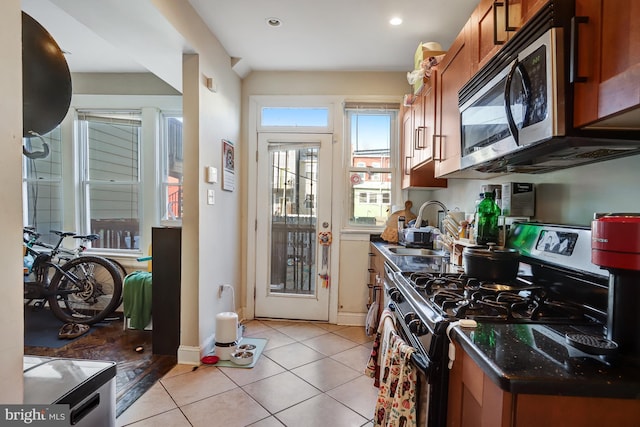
x: 86, y: 290
x: 123, y: 273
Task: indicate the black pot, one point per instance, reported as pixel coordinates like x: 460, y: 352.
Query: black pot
x: 490, y: 264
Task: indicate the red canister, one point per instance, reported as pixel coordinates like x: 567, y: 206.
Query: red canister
x: 615, y: 241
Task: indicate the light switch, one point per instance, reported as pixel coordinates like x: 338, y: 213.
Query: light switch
x: 212, y: 175
x: 211, y: 197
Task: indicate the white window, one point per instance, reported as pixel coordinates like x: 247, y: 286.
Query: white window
x: 171, y: 167
x: 371, y: 138
x: 110, y: 144
x: 42, y: 184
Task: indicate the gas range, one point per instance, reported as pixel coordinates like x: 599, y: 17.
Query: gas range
x: 455, y: 296
x: 552, y: 319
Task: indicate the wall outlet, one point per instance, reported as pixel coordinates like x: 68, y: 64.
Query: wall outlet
x: 211, y: 197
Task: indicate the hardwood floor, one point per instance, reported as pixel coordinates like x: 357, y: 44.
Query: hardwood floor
x: 136, y: 371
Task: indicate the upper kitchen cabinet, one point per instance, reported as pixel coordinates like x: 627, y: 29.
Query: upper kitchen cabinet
x: 453, y: 72
x: 493, y: 23
x: 607, y: 85
x: 417, y: 141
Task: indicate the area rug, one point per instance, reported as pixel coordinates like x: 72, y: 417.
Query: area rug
x: 41, y: 329
x: 260, y: 343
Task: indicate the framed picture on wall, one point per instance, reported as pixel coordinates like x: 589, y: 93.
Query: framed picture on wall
x: 228, y: 166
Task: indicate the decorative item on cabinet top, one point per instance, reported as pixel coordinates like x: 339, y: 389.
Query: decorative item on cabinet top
x: 427, y: 55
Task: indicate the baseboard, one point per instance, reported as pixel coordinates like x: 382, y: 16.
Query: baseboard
x: 351, y: 319
x: 188, y: 355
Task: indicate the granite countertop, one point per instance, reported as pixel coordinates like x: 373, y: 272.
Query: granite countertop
x: 535, y: 359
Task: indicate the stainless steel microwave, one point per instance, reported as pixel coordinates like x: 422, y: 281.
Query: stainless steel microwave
x: 516, y: 112
x: 521, y: 105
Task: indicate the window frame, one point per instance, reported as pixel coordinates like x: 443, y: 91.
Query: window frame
x: 393, y: 110
x: 85, y: 181
x: 163, y: 182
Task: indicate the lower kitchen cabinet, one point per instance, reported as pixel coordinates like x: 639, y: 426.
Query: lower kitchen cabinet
x: 376, y: 274
x: 476, y: 401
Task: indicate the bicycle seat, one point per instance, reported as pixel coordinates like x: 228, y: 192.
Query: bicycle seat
x: 63, y: 233
x: 89, y: 237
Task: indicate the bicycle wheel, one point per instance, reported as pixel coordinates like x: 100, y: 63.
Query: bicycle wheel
x: 122, y: 270
x: 85, y: 290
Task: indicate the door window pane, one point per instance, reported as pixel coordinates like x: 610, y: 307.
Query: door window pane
x: 293, y: 220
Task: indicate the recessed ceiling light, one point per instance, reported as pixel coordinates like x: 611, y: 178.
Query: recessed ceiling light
x: 396, y: 20
x: 274, y: 22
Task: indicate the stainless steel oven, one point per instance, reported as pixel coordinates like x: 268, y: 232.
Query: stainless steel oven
x: 421, y: 328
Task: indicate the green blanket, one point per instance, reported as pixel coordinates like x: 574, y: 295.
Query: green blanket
x: 137, y: 299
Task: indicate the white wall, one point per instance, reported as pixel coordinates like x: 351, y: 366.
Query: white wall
x: 11, y: 317
x: 348, y: 272
x: 569, y: 196
x: 210, y: 244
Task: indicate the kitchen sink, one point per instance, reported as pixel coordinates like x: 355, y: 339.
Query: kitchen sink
x: 401, y: 250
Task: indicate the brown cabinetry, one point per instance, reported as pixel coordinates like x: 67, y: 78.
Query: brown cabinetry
x: 375, y: 276
x: 417, y: 139
x: 453, y: 72
x: 476, y: 401
x: 607, y: 90
x: 493, y: 23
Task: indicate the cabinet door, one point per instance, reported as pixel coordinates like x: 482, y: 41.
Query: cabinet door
x: 488, y: 31
x: 453, y: 72
x: 608, y: 62
x: 521, y: 11
x: 406, y: 153
x: 416, y: 170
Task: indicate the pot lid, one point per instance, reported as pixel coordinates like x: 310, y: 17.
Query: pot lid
x: 491, y: 252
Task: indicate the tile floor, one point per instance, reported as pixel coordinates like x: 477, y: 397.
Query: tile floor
x: 309, y: 374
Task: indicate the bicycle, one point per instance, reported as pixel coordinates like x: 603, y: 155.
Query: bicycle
x: 85, y: 289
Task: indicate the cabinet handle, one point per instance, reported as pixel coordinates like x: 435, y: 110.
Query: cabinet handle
x: 573, y: 64
x: 507, y: 27
x: 433, y: 147
x: 416, y: 142
x: 496, y: 5
x: 407, y: 169
x: 371, y: 270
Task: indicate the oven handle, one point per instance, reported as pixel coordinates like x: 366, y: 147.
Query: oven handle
x: 416, y: 358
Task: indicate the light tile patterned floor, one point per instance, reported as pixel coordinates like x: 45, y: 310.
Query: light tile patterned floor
x: 310, y: 374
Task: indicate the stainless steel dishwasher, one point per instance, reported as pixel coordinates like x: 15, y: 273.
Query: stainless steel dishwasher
x: 87, y: 386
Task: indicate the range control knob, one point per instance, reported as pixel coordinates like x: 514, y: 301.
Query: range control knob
x: 396, y: 295
x: 417, y: 327
x: 409, y: 317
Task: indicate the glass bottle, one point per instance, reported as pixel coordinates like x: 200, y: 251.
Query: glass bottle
x: 487, y: 213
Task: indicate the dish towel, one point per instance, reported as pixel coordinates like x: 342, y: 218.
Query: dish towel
x: 396, y: 403
x: 136, y: 298
x: 380, y: 344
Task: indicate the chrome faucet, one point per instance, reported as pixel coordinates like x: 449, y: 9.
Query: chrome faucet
x: 424, y: 205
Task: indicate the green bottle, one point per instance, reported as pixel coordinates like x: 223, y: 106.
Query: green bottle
x: 487, y: 214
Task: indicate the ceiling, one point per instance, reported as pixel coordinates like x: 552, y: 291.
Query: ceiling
x: 341, y: 35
